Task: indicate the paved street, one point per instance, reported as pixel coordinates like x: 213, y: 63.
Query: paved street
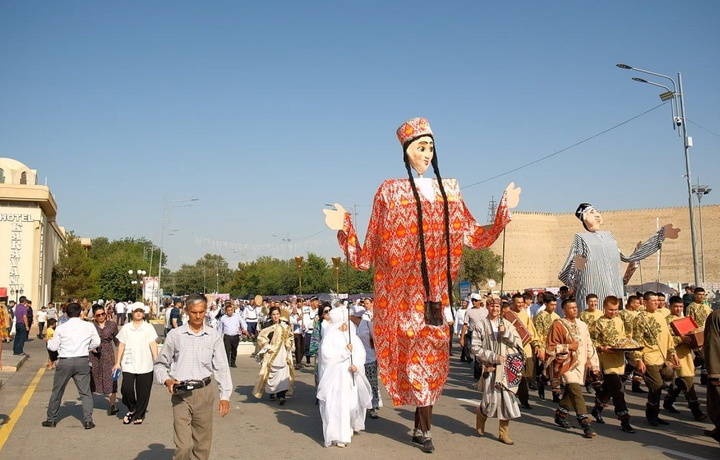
x: 259, y: 429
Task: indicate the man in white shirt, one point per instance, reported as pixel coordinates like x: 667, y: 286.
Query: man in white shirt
x: 120, y: 309
x: 472, y: 315
x: 231, y: 327
x: 73, y: 341
x: 42, y: 317
x: 538, y: 306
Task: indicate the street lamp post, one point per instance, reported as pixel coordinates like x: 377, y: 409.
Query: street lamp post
x: 169, y: 205
x: 700, y: 191
x: 677, y: 96
x: 139, y: 274
x: 299, y: 268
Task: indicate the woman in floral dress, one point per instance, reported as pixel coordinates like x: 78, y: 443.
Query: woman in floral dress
x: 102, y: 358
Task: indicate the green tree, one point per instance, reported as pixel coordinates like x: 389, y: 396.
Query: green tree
x: 72, y: 275
x: 477, y: 266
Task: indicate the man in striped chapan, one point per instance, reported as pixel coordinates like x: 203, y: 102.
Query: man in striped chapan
x: 594, y: 262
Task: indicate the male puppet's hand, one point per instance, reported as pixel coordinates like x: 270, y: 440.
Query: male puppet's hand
x: 671, y: 232
x: 512, y: 195
x: 580, y: 262
x: 334, y: 218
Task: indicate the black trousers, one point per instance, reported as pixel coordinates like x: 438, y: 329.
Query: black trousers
x: 612, y: 387
x: 299, y: 347
x: 135, y: 391
x: 231, y: 343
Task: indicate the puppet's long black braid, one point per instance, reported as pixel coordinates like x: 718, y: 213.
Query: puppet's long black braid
x: 421, y: 233
x: 446, y: 211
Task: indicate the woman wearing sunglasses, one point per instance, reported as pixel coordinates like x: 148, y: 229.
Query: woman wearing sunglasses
x: 102, y: 358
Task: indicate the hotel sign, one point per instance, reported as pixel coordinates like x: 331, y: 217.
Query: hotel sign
x: 16, y: 218
x: 16, y: 221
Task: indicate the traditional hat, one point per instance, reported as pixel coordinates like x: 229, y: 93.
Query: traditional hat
x: 582, y: 209
x: 412, y: 129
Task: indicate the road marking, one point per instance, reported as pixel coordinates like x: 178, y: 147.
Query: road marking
x: 7, y: 428
x: 675, y: 452
x: 469, y: 401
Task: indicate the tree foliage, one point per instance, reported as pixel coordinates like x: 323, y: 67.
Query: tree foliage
x: 72, y: 275
x: 102, y: 272
x: 477, y: 266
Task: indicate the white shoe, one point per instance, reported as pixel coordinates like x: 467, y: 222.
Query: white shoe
x: 340, y: 444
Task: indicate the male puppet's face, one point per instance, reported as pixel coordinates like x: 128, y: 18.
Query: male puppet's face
x: 592, y: 220
x: 420, y: 152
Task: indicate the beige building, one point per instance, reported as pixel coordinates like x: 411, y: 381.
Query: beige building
x: 537, y: 244
x: 30, y: 238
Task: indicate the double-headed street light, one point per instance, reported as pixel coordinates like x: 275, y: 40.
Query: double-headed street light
x: 677, y: 96
x: 169, y: 205
x: 700, y: 191
x: 139, y: 274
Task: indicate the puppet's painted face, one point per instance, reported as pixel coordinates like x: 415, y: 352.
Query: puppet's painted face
x: 592, y: 220
x: 420, y: 152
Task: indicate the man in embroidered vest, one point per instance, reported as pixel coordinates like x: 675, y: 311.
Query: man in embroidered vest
x: 651, y: 331
x: 606, y: 332
x: 685, y: 373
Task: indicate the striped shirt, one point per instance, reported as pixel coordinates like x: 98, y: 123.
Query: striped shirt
x: 187, y: 355
x: 602, y: 275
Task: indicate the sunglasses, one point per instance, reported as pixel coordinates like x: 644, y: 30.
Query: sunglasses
x: 97, y: 315
x: 325, y: 312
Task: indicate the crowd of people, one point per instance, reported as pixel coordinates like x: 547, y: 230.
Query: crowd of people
x: 599, y: 348
x: 516, y: 344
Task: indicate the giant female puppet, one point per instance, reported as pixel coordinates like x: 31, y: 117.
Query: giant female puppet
x: 593, y: 264
x: 414, y: 241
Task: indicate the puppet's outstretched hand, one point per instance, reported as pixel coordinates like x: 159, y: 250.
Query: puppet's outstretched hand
x: 580, y: 262
x: 334, y: 218
x: 512, y: 195
x: 671, y: 232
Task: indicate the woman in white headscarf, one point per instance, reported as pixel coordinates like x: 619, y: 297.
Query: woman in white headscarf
x: 343, y: 390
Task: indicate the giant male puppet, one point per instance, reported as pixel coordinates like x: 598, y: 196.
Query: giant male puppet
x: 414, y: 241
x: 593, y: 264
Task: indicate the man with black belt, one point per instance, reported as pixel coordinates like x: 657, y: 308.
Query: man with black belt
x: 191, y: 354
x: 73, y: 341
x: 231, y: 326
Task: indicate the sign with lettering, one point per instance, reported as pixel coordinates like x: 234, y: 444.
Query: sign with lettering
x: 4, y: 217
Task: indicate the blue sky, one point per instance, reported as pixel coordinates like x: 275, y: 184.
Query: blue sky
x: 265, y: 111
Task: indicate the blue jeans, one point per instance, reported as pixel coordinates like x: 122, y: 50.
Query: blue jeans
x: 21, y: 335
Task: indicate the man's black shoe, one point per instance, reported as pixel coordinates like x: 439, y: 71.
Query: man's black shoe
x: 561, y: 422
x: 233, y: 365
x: 670, y: 408
x: 49, y: 423
x: 625, y: 426
x: 417, y: 439
x: 88, y: 425
x: 597, y: 413
x: 526, y: 406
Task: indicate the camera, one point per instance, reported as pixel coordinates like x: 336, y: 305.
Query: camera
x: 183, y: 387
x: 678, y: 121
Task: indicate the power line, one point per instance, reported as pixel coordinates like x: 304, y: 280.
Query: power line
x: 565, y: 149
x: 705, y: 129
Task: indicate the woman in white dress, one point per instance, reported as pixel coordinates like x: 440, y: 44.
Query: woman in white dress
x: 343, y: 390
x: 494, y: 338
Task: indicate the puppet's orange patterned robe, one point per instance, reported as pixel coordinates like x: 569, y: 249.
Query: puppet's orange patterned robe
x: 412, y: 356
